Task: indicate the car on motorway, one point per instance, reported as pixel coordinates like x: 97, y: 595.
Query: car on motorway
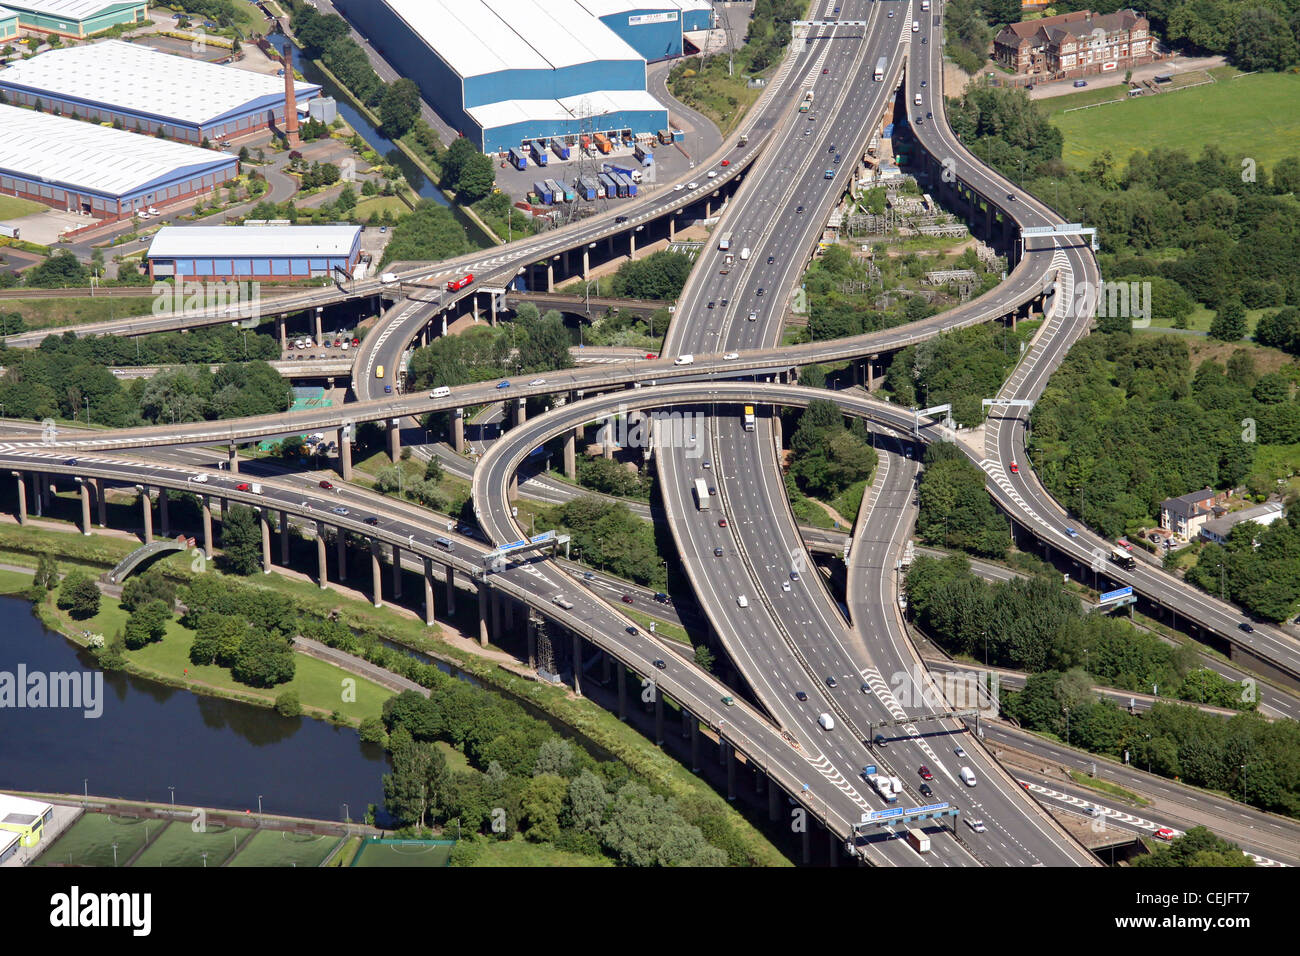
x: 328, y: 486
x: 1071, y: 532
x: 620, y: 218
x: 959, y: 751
x: 729, y: 356
x: 587, y: 575
x: 678, y: 188
x: 713, y: 174
x: 785, y: 585
x: 923, y: 84
x: 630, y: 629
x: 706, y: 464
x: 1011, y: 197
x: 925, y: 790
x: 729, y: 701
x: 1014, y: 468
x: 924, y: 772
x: 724, y: 302
x: 1124, y: 544
x: 1090, y: 811
x: 305, y: 505
x: 825, y: 71
x: 794, y: 575
x: 865, y: 688
x: 880, y: 741
x: 760, y: 291
x: 503, y: 384
x: 717, y: 552
x: 340, y: 510
x: 924, y: 40
x: 711, y: 304
x: 976, y: 824
x: 1080, y: 83
x: 372, y: 520
x: 929, y: 115
x: 837, y: 159
x: 722, y: 522
x: 800, y: 695
x: 799, y: 209
x: 692, y: 185
x: 831, y: 681
x: 725, y: 162
x: 537, y: 381
x: 661, y: 597
x: 1164, y: 833
x: 920, y: 121
x: 627, y: 599
x: 659, y: 663
x: 243, y: 486
x: 1247, y: 627
x: 70, y: 461
x: 771, y: 259
x: 198, y: 479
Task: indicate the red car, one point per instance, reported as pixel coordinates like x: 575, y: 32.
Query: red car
x: 627, y: 599
x: 1164, y: 833
x: 455, y: 285
x: 325, y: 484
x: 1124, y: 544
x: 242, y: 486
x: 356, y: 342
x: 1015, y: 469
x: 651, y: 355
x: 722, y: 522
x: 726, y: 162
x: 924, y: 771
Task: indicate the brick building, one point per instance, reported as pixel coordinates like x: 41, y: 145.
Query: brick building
x: 1075, y: 44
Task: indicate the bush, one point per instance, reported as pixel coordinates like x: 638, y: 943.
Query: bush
x: 288, y: 704
x: 79, y: 595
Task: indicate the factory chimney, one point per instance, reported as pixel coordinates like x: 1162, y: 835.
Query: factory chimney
x: 290, y: 103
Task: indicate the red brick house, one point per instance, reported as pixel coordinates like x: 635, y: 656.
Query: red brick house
x: 1075, y: 44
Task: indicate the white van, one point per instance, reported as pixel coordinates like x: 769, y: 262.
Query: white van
x: 967, y: 776
x: 742, y: 601
x: 684, y: 360
x: 917, y: 99
x: 916, y: 26
x: 388, y: 278
x: 827, y: 722
x: 442, y: 391
x: 744, y: 253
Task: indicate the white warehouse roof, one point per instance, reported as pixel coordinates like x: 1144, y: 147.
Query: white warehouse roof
x: 71, y: 9
x: 76, y: 154
x: 183, y: 242
x: 477, y: 37
x: 598, y: 103
x: 605, y: 8
x: 142, y: 80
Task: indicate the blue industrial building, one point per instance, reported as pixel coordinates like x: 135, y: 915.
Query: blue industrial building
x: 253, y: 252
x: 653, y: 28
x: 502, y: 72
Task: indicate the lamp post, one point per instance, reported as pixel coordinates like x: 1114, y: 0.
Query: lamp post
x: 173, y: 792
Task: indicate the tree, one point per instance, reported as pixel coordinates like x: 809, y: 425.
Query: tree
x: 147, y: 624
x: 1229, y: 323
x: 587, y: 802
x: 1263, y: 41
x: 704, y: 657
x: 47, y: 573
x: 287, y: 704
x: 477, y: 177
x: 416, y: 785
x: 241, y: 540
x: 143, y: 588
x: 263, y: 660
x: 60, y: 270
x: 542, y: 801
x: 78, y: 595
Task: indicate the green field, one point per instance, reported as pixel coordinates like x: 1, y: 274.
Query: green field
x: 11, y: 207
x: 89, y: 841
x: 179, y: 845
x: 1253, y: 116
x: 55, y: 313
x: 519, y: 852
x: 281, y: 848
x: 403, y: 853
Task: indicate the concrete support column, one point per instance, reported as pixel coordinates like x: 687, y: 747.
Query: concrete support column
x: 376, y: 578
x: 577, y: 665
x: 444, y: 323
x: 509, y: 603
x: 451, y: 591
x: 322, y: 570
x: 84, y: 489
x: 659, y: 717
x: 101, y: 506
x: 341, y: 552
x: 513, y: 492
x: 319, y: 337
x: 266, y: 540
x: 622, y: 692
x: 731, y: 772
x: 42, y: 494
x: 708, y: 209
x: 550, y: 277
x: 521, y: 411
x: 672, y: 228
x: 695, y: 746
x: 397, y: 572
x: 394, y: 428
x: 586, y: 265
x: 22, y: 497
x: 492, y: 305
x: 146, y: 512
x: 458, y: 430
x: 345, y: 455
x: 428, y: 591
x: 871, y: 372
x: 631, y: 244
x: 282, y: 333
x: 807, y: 846
x: 232, y: 459
x: 205, y: 506
x: 482, y: 613
x: 473, y: 303
x: 164, y: 519
x: 686, y: 723
x: 571, y: 455
x: 496, y: 616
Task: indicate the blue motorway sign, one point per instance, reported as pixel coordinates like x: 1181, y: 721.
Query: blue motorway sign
x: 885, y: 814
x: 931, y: 808
x: 1115, y: 595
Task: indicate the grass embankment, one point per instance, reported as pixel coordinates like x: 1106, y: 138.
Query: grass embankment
x: 11, y: 207
x: 53, y: 313
x: 1104, y: 786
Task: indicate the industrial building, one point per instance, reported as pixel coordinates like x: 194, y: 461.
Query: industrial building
x: 101, y: 172
x: 653, y: 28
x: 77, y: 18
x: 147, y: 91
x: 502, y: 72
x: 253, y: 252
x: 8, y: 24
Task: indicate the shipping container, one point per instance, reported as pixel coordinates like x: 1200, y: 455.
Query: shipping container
x: 538, y: 154
x: 543, y: 193
x: 603, y: 144
x: 630, y: 182
x: 560, y: 149
x: 556, y: 190
x: 679, y: 136
x: 611, y: 188
x: 583, y: 190
x: 518, y: 159
x: 643, y: 155
x: 665, y: 137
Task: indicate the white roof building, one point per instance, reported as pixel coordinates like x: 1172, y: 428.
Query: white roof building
x: 136, y: 79
x: 84, y: 156
x: 185, y: 242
